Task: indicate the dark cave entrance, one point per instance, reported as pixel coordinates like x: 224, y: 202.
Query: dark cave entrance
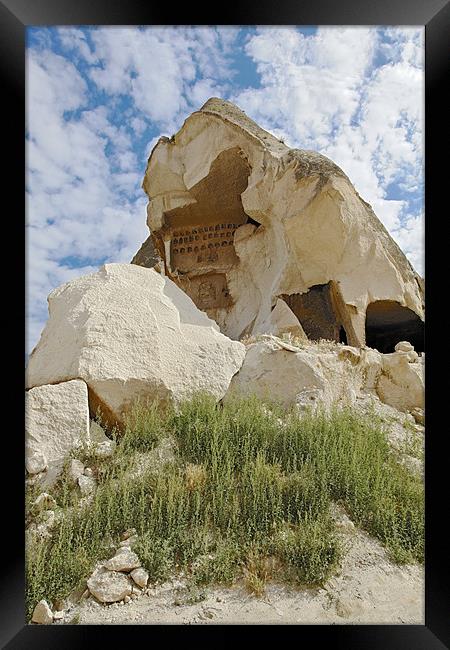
x: 387, y: 323
x: 316, y: 312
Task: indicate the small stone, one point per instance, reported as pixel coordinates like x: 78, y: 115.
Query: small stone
x: 49, y: 518
x: 88, y: 472
x: 58, y: 605
x: 35, y: 463
x: 105, y: 449
x: 403, y: 346
x: 128, y: 533
x: 45, y: 502
x: 140, y: 577
x: 124, y: 560
x: 59, y: 615
x: 87, y: 484
x: 126, y: 599
x: 76, y: 469
x: 42, y: 613
x: 418, y: 415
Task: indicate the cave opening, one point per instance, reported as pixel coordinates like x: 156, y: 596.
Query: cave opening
x: 315, y: 311
x: 388, y: 323
x: 198, y: 238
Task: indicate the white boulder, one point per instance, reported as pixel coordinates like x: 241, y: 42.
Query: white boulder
x: 402, y: 383
x: 109, y: 586
x: 131, y: 333
x: 56, y: 421
x: 277, y: 371
x: 124, y: 560
x: 140, y: 577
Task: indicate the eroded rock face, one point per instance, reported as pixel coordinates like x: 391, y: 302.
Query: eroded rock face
x: 131, y: 333
x: 240, y: 221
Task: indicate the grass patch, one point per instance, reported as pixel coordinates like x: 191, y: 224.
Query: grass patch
x: 248, y: 496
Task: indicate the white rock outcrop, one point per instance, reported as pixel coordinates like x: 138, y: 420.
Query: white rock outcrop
x: 131, y: 333
x: 240, y: 221
x: 56, y: 421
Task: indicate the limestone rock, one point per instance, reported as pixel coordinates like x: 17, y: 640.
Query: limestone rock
x: 402, y: 383
x: 109, y: 586
x: 131, y: 333
x: 403, y: 346
x: 282, y: 320
x: 75, y: 469
x: 125, y: 560
x: 44, y: 502
x: 42, y: 613
x: 140, y: 577
x: 56, y: 421
x: 418, y: 415
x: 87, y: 485
x: 240, y: 221
x: 35, y: 462
x: 306, y: 377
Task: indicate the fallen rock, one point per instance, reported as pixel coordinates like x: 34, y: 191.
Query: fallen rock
x: 403, y: 346
x: 75, y: 470
x: 124, y: 560
x: 120, y: 329
x: 42, y: 613
x: 418, y: 415
x: 109, y: 586
x: 140, y: 577
x: 129, y: 541
x: 307, y: 377
x: 87, y: 485
x: 35, y: 462
x: 105, y: 449
x: 402, y: 383
x: 56, y: 421
x: 44, y: 502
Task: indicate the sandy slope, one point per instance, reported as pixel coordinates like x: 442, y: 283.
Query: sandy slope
x: 368, y: 589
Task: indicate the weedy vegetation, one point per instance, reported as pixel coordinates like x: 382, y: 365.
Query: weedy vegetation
x: 247, y: 497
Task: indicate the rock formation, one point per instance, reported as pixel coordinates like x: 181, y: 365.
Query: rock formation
x: 56, y: 421
x: 131, y: 333
x: 241, y: 222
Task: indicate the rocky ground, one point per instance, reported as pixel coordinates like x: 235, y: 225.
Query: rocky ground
x: 367, y: 589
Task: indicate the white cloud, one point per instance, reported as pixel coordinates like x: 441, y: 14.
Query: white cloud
x: 324, y: 92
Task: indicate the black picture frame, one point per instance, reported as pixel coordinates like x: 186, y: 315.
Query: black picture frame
x: 15, y: 17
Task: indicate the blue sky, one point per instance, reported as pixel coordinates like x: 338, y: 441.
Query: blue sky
x: 98, y: 99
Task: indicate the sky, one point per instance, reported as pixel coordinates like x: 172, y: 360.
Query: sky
x: 99, y: 98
